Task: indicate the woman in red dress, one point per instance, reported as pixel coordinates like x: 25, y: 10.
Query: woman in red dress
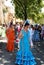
x: 10, y: 33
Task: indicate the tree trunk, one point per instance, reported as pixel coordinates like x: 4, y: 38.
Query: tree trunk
x: 25, y: 13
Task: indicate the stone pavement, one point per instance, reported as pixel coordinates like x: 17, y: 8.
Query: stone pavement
x: 39, y: 52
x: 8, y: 58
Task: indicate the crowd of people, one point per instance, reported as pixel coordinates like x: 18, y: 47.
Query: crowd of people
x: 23, y: 35
x: 38, y: 32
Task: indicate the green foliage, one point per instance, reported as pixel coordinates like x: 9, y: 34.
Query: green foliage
x: 28, y: 8
x: 41, y: 19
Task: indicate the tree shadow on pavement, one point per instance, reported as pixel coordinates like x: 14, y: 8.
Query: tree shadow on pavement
x: 39, y: 52
x: 6, y: 58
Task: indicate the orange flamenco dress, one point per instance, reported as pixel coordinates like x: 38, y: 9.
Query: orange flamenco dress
x: 11, y: 37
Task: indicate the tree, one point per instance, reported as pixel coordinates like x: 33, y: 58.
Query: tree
x: 27, y: 8
x: 41, y: 19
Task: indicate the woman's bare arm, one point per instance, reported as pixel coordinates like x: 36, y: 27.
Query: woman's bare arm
x: 20, y: 35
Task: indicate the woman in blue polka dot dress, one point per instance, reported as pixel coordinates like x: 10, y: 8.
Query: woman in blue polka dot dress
x: 24, y: 55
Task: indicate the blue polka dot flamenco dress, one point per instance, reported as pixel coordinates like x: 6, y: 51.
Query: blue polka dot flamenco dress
x: 24, y: 55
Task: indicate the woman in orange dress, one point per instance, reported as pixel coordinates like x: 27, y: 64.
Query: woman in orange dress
x: 10, y: 33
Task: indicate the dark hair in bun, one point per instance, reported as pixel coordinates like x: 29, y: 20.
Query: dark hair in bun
x: 11, y: 23
x: 26, y: 24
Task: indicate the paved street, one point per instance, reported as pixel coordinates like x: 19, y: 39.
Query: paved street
x: 39, y: 52
x: 8, y: 58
